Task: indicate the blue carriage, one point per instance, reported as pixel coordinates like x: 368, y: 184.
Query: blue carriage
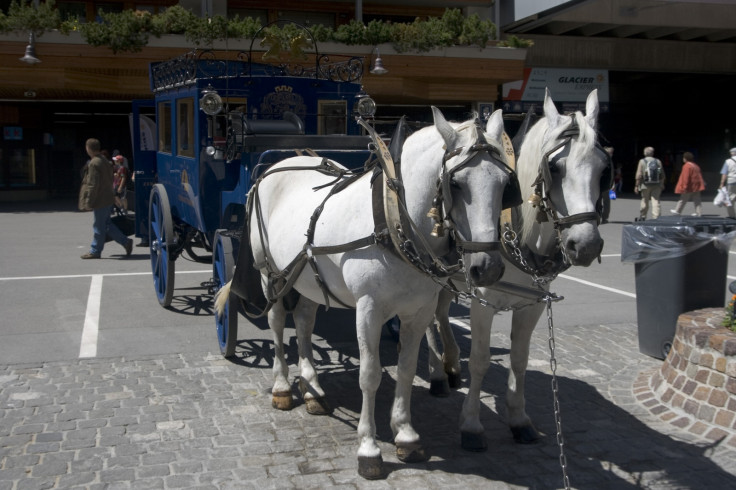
x: 219, y: 121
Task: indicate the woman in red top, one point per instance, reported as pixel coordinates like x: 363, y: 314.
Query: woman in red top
x: 689, y: 185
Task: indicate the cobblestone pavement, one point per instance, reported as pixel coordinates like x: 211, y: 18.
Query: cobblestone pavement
x: 200, y: 421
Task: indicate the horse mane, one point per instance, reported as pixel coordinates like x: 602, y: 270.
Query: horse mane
x: 538, y: 141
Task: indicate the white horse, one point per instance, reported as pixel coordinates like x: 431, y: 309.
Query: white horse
x: 561, y: 162
x: 459, y: 166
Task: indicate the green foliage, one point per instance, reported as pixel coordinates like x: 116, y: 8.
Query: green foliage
x: 729, y: 321
x: 23, y: 16
x: 516, y: 42
x: 244, y: 28
x: 124, y: 31
x: 130, y: 30
x: 351, y: 34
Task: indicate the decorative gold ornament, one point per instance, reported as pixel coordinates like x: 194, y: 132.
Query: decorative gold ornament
x: 273, y: 43
x: 438, y: 230
x: 434, y: 214
x: 297, y: 47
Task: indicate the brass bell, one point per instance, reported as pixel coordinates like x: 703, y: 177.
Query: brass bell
x: 534, y: 199
x: 438, y: 230
x: 434, y: 213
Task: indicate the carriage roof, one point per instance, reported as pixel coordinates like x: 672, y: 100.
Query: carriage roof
x: 198, y: 68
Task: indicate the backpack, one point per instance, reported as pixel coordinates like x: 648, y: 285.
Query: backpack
x: 652, y: 173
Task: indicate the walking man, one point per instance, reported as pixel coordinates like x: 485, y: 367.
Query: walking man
x: 97, y: 195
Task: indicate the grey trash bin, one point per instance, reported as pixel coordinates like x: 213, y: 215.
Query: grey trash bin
x: 680, y: 265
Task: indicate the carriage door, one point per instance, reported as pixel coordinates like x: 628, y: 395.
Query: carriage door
x: 144, y: 138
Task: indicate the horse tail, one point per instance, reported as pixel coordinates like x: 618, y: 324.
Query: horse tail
x: 221, y: 298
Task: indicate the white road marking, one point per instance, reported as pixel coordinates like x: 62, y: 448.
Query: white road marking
x: 88, y: 347
x: 77, y: 276
x: 599, y: 286
x: 90, y: 331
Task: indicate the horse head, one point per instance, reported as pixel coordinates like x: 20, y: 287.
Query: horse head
x: 569, y: 170
x: 471, y: 184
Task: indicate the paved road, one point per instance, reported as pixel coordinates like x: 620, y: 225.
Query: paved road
x: 156, y: 406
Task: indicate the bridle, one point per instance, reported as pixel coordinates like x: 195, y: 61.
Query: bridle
x: 541, y: 198
x: 545, y: 268
x: 443, y: 202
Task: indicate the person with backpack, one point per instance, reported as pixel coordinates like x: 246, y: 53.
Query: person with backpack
x: 689, y: 185
x: 650, y: 183
x: 728, y: 180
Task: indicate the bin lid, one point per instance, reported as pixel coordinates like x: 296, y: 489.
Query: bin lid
x: 668, y: 237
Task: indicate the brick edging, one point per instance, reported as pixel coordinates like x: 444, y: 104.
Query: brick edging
x: 695, y: 388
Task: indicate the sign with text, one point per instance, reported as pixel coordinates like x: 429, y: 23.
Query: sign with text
x: 567, y: 86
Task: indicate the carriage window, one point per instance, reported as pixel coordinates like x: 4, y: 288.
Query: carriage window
x: 332, y: 117
x: 185, y: 127
x: 164, y: 127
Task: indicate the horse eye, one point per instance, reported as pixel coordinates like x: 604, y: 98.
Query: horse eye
x: 453, y: 183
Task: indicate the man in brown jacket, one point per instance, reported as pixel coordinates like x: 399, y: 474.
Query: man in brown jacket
x: 96, y: 195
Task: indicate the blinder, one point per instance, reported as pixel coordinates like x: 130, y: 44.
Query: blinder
x: 544, y: 179
x: 511, y: 193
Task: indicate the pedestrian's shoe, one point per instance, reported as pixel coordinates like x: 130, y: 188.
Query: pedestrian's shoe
x: 128, y: 247
x: 674, y: 211
x: 90, y: 255
x: 143, y: 243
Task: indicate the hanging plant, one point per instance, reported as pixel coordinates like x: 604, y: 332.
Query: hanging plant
x: 24, y: 17
x: 130, y: 30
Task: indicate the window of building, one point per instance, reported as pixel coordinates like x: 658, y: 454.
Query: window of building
x: 332, y: 117
x: 259, y: 14
x: 18, y: 167
x: 72, y: 11
x: 164, y: 127
x: 308, y: 18
x: 185, y: 127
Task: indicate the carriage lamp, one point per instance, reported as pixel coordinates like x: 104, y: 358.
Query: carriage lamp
x: 366, y: 106
x: 211, y: 102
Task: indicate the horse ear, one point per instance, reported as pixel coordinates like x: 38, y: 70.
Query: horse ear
x: 550, y: 111
x: 494, y: 127
x: 591, y: 108
x: 446, y: 131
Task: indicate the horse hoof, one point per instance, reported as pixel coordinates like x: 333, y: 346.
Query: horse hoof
x: 411, y: 452
x: 454, y: 380
x: 526, y: 434
x: 370, y: 468
x: 318, y: 406
x: 439, y: 388
x: 473, y: 441
x: 282, y: 401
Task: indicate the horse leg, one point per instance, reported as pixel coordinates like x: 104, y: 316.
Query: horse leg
x: 522, y: 325
x: 368, y: 329
x: 471, y: 429
x: 451, y: 355
x: 409, y: 448
x: 444, y: 369
x: 305, y: 314
x: 281, y: 391
x: 438, y: 384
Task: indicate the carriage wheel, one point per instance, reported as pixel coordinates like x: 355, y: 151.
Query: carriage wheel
x: 161, y: 239
x: 223, y: 262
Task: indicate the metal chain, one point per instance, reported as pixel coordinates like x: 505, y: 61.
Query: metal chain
x: 555, y: 398
x: 511, y: 240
